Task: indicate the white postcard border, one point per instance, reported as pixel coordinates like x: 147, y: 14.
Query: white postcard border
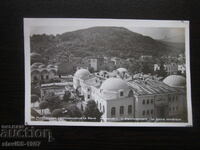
x: 30, y: 22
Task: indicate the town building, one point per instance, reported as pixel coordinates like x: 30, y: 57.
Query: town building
x: 41, y: 72
x: 120, y: 100
x: 54, y: 89
x: 97, y: 63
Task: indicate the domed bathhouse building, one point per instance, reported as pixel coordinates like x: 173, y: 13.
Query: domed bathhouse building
x: 41, y: 72
x: 125, y: 100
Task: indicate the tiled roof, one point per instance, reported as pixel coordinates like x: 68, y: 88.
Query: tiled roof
x: 150, y: 86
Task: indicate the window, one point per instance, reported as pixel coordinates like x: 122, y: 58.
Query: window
x: 129, y: 109
x: 143, y: 113
x: 88, y: 90
x: 47, y: 77
x: 121, y: 93
x: 176, y: 108
x: 121, y: 110
x: 100, y: 106
x: 42, y: 78
x: 113, y: 111
x: 35, y: 78
x: 147, y: 101
x: 88, y: 96
x: 169, y: 99
x: 152, y: 111
x: 151, y: 101
x: 103, y: 109
x: 130, y: 94
x: 143, y: 102
x: 147, y: 112
x: 172, y: 98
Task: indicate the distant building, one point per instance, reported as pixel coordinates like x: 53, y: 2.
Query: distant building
x: 156, y: 67
x: 116, y: 60
x: 97, y: 63
x: 182, y: 68
x: 146, y: 58
x: 41, y: 72
x: 171, y: 68
x: 53, y: 89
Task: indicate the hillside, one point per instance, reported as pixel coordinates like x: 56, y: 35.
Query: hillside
x: 108, y: 41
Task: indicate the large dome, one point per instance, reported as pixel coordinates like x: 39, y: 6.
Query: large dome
x: 114, y: 84
x: 175, y: 81
x: 81, y: 73
x: 122, y: 70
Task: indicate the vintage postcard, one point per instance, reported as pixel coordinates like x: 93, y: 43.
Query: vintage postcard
x: 107, y: 72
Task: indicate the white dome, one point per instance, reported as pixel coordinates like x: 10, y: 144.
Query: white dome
x: 114, y: 84
x: 175, y: 81
x: 122, y: 70
x: 81, y: 73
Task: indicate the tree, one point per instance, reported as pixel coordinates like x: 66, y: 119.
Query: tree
x: 162, y: 71
x: 34, y: 113
x: 92, y: 111
x: 43, y: 105
x: 54, y: 102
x: 57, y: 113
x: 66, y: 96
x: 91, y: 69
x: 74, y: 111
x: 34, y: 98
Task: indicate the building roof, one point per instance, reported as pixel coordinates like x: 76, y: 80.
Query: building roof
x: 122, y: 70
x: 93, y: 81
x: 150, y: 86
x: 36, y: 64
x: 175, y: 81
x: 114, y: 84
x: 59, y: 84
x: 81, y: 73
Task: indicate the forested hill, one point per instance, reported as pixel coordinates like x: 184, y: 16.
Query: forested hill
x: 107, y: 41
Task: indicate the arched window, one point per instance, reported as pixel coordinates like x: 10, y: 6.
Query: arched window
x: 147, y: 101
x: 130, y: 94
x: 129, y: 109
x: 147, y: 112
x: 143, y: 113
x: 121, y: 110
x: 113, y: 111
x: 121, y: 93
x: 143, y: 102
x: 35, y: 78
x: 42, y: 78
x: 152, y: 111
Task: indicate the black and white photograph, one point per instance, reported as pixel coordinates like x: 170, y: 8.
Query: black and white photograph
x: 107, y: 72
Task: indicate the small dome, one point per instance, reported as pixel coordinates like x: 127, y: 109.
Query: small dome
x: 81, y: 73
x: 36, y: 64
x: 50, y: 66
x: 41, y: 66
x: 122, y: 70
x: 35, y: 54
x: 175, y: 81
x: 114, y: 84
